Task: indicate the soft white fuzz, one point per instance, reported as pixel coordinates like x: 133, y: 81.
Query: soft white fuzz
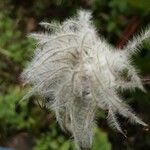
x: 79, y: 72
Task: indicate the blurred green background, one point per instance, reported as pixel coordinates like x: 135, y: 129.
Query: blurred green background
x: 28, y: 125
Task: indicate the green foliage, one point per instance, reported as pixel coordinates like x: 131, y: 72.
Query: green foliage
x: 8, y: 102
x: 101, y: 140
x: 12, y: 44
x: 9, y: 114
x: 52, y: 140
x: 143, y: 5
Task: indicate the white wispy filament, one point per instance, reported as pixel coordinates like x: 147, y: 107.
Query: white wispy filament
x: 79, y: 72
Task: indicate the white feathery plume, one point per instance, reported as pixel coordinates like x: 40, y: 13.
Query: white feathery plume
x: 80, y: 72
x: 133, y: 45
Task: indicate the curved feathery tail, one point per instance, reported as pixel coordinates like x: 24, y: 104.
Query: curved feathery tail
x: 133, y: 45
x: 82, y: 117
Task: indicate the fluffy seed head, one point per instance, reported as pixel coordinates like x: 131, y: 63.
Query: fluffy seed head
x: 78, y: 72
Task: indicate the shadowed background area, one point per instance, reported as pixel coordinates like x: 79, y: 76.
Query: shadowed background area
x: 29, y: 125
